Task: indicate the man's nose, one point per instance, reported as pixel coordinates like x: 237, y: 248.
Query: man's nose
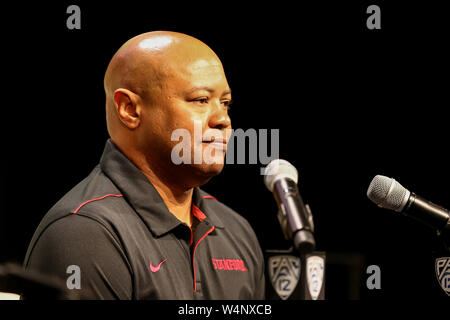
x: 219, y: 117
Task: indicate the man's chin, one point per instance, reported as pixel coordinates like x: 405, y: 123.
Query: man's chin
x: 204, y: 172
x: 195, y: 175
x: 210, y: 170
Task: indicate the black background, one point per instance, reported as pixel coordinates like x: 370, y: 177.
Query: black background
x: 350, y: 103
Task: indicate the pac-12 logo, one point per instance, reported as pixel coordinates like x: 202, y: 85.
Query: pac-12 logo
x: 314, y: 275
x: 284, y: 272
x: 443, y: 273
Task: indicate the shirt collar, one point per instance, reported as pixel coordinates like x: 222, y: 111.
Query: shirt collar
x: 142, y: 195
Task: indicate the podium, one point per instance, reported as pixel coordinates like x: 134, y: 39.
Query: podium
x: 290, y: 276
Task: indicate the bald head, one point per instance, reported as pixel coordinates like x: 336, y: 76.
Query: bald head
x: 144, y: 63
x: 160, y: 82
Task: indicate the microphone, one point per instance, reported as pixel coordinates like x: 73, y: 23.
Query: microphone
x: 388, y: 193
x: 281, y: 179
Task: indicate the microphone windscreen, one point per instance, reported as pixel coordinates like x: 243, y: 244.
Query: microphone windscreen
x: 278, y: 169
x: 387, y: 193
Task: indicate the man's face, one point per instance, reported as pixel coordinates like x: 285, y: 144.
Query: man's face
x: 195, y: 93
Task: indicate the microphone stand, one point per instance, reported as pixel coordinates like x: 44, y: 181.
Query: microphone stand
x: 444, y: 236
x: 311, y: 284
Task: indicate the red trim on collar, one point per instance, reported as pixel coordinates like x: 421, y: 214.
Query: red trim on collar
x: 96, y: 199
x: 193, y: 255
x: 209, y: 197
x: 198, y: 213
x: 192, y: 235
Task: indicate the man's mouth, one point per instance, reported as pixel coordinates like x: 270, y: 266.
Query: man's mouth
x: 215, y: 140
x: 216, y: 143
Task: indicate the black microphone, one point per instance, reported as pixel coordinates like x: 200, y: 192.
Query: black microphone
x: 281, y: 179
x: 388, y: 193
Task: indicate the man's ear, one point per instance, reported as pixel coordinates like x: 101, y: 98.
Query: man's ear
x: 128, y: 107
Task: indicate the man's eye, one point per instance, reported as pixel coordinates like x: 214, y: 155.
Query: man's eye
x: 201, y: 100
x: 227, y: 103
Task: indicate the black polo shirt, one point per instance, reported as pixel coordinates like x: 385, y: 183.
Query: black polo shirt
x: 116, y: 228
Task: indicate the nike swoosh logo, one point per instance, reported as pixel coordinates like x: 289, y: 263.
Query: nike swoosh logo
x: 156, y: 269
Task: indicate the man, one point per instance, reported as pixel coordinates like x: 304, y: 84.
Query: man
x: 138, y: 227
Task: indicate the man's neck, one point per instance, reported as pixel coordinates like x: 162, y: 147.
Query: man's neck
x: 178, y: 202
x: 177, y: 199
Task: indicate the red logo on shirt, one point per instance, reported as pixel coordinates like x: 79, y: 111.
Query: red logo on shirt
x: 156, y: 269
x: 229, y: 264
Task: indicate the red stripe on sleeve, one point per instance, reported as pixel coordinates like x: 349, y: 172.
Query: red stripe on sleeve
x: 96, y: 199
